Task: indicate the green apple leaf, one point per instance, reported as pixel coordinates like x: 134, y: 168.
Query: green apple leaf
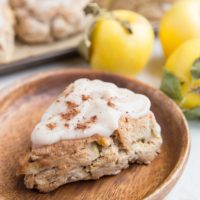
x: 93, y: 9
x: 171, y: 86
x: 195, y: 70
x: 192, y: 113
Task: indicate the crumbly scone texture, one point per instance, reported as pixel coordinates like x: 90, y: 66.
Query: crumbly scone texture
x: 136, y: 141
x: 47, y: 20
x: 7, y: 34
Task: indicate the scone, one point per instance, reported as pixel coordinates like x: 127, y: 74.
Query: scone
x: 6, y: 32
x: 93, y: 129
x: 47, y: 20
x: 151, y: 9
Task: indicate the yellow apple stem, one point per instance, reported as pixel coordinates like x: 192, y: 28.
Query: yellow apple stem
x: 95, y: 10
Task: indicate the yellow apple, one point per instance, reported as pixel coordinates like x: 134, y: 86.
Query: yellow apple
x: 179, y: 24
x: 181, y: 80
x: 117, y: 49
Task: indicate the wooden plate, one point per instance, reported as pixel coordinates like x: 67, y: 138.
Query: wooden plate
x: 21, y: 107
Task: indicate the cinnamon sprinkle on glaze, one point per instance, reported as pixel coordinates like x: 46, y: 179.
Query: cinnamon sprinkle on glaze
x: 85, y: 97
x: 81, y: 126
x: 87, y: 123
x: 66, y: 125
x: 51, y: 126
x: 93, y: 118
x: 70, y: 114
x: 111, y: 104
x: 71, y: 104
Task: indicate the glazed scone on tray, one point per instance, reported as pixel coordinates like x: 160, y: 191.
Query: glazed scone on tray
x: 6, y: 32
x: 47, y: 20
x: 93, y: 129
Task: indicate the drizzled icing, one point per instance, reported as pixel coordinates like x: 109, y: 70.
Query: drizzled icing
x: 85, y: 108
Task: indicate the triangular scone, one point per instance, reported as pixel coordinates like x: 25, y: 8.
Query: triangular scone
x: 89, y: 149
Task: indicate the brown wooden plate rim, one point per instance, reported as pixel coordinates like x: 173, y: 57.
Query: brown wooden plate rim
x: 162, y: 190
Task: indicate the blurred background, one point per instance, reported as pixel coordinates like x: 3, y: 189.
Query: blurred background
x: 20, y: 52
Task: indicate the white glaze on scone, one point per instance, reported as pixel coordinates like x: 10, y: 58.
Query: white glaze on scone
x: 87, y: 108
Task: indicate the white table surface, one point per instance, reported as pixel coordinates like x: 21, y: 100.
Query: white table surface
x: 188, y: 187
